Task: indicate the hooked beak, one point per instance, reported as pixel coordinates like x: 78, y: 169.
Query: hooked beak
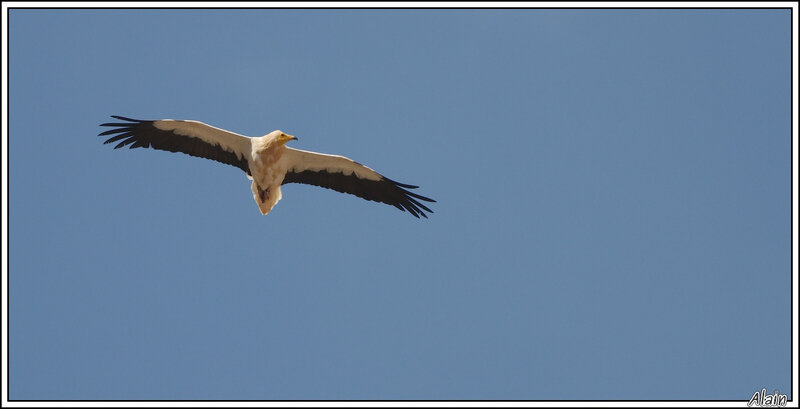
x: 286, y: 138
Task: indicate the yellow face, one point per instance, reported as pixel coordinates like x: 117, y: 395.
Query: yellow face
x: 283, y: 138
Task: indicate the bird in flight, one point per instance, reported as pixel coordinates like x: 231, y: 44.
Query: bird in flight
x: 266, y: 160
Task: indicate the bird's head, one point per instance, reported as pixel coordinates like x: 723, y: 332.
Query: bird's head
x: 281, y: 138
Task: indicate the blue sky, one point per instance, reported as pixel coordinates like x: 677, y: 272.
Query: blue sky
x: 612, y: 216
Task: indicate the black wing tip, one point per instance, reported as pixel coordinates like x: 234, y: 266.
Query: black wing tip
x: 123, y: 129
x: 415, y: 211
x: 130, y: 121
x: 123, y: 118
x: 401, y: 184
x: 405, y: 186
x: 409, y: 202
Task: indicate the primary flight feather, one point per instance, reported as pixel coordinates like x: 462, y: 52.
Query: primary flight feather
x: 266, y: 160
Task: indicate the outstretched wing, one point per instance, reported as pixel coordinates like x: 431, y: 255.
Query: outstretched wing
x: 190, y: 137
x: 347, y: 176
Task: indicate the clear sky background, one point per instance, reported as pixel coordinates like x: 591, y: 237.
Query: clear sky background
x: 613, y: 215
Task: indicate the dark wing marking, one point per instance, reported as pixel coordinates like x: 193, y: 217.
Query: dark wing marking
x: 384, y: 190
x: 143, y: 134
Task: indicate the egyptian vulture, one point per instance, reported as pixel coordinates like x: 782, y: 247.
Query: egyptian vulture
x: 266, y: 161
